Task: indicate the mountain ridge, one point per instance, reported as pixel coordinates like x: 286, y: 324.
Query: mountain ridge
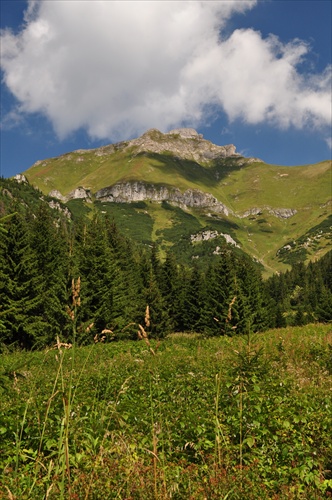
x: 269, y: 207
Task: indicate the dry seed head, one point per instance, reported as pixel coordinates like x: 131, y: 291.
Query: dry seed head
x: 147, y: 317
x: 76, y: 288
x: 106, y: 330
x: 59, y: 344
x: 229, y: 314
x: 70, y: 313
x: 144, y: 334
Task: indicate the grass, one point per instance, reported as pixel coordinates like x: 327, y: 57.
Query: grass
x: 252, y: 185
x: 192, y: 418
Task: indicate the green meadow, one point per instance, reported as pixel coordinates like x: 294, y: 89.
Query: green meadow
x: 242, y: 417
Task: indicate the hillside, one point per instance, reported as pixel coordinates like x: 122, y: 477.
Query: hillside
x: 179, y: 190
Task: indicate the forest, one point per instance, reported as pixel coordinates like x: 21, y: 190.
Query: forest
x: 82, y: 280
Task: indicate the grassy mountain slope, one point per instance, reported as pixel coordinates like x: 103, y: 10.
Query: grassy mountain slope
x: 258, y: 196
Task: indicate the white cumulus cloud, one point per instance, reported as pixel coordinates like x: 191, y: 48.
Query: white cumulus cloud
x: 117, y: 68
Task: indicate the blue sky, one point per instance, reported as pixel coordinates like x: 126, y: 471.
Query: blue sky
x: 78, y: 75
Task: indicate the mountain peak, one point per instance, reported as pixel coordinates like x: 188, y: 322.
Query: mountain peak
x: 186, y: 133
x: 184, y: 143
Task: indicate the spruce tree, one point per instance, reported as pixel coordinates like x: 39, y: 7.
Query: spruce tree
x: 194, y: 302
x: 170, y: 287
x: 219, y: 312
x: 129, y: 289
x: 51, y: 254
x: 24, y: 320
x: 255, y: 307
x: 159, y: 319
x: 96, y: 270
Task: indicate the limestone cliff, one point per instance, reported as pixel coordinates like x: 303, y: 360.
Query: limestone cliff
x: 127, y: 192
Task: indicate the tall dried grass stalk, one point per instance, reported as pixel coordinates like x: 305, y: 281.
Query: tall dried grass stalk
x: 59, y: 344
x: 10, y: 495
x: 147, y: 317
x: 76, y: 299
x: 229, y: 314
x: 76, y: 288
x: 142, y: 335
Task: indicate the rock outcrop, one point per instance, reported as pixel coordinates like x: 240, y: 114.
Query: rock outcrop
x: 184, y: 143
x: 281, y: 213
x: 134, y: 191
x: 129, y: 192
x: 210, y: 235
x: 55, y: 205
x: 20, y: 178
x: 78, y: 193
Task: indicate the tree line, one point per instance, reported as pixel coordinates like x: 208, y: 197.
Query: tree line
x: 84, y: 281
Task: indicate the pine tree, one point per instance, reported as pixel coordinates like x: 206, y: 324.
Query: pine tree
x: 5, y: 336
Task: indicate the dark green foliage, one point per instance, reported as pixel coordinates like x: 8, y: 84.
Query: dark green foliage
x: 193, y: 304
x: 159, y: 320
x: 96, y: 269
x: 129, y: 305
x: 171, y: 287
x: 51, y: 254
x: 131, y: 218
x: 235, y: 300
x: 33, y: 289
x: 221, y: 307
x: 84, y: 280
x: 304, y: 294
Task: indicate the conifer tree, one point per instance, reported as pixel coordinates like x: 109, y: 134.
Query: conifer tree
x: 25, y: 319
x: 280, y: 320
x: 96, y: 269
x: 169, y: 286
x: 219, y: 313
x: 194, y: 302
x: 159, y: 319
x: 128, y: 299
x: 50, y: 253
x: 255, y: 307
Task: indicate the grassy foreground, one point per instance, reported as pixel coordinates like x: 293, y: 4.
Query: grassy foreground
x: 189, y: 418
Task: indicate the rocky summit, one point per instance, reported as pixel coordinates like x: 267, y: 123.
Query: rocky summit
x: 184, y: 143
